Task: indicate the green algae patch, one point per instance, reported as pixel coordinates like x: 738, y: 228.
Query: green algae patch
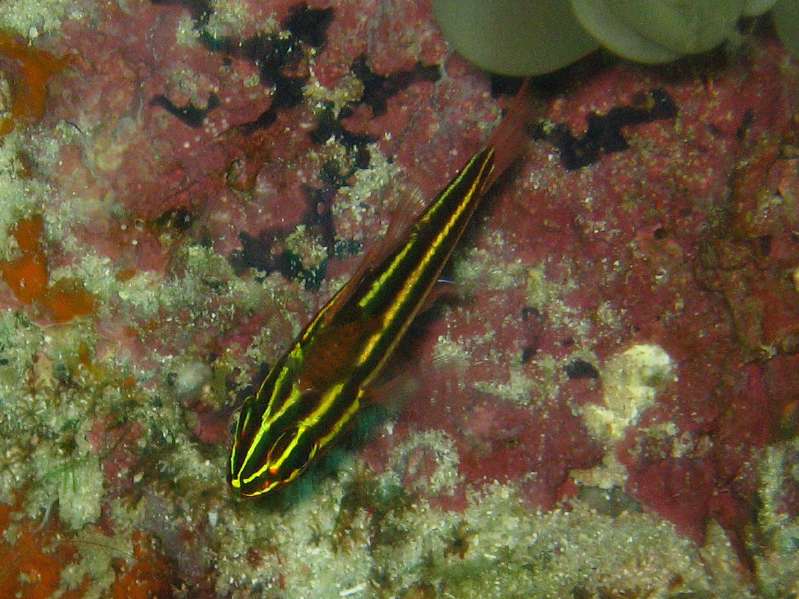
x: 80, y: 492
x: 367, y: 537
x: 514, y: 553
x: 20, y: 198
x: 30, y: 18
x: 631, y: 381
x: 408, y: 462
x: 775, y: 540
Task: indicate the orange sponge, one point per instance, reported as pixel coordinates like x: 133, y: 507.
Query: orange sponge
x: 28, y: 71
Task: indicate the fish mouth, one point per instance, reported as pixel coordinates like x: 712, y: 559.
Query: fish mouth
x: 254, y: 488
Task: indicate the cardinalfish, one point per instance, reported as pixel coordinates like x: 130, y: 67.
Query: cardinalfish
x: 317, y: 387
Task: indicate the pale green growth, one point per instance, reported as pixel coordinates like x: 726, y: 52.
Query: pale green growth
x: 230, y: 17
x: 348, y: 89
x: 127, y: 517
x: 450, y: 352
x: 227, y: 17
x: 477, y: 268
x: 304, y: 553
x: 332, y: 152
x: 41, y: 417
x: 307, y: 246
x: 607, y: 475
x: 44, y: 144
x: 69, y: 213
x: 522, y: 384
x: 518, y: 389
x: 769, y: 204
x: 31, y: 18
x: 411, y: 456
x: 776, y: 541
x: 252, y: 81
x: 19, y: 197
x: 188, y: 82
x: 549, y: 376
x: 96, y: 274
x: 140, y: 294
x: 73, y: 479
x: 191, y: 376
x: 266, y: 347
x: 541, y: 293
x: 209, y: 288
x: 682, y: 444
x: 547, y: 296
x: 481, y: 269
x: 609, y: 317
x: 20, y: 340
x: 186, y: 34
x: 786, y: 21
x: 728, y: 577
x: 184, y: 463
x: 549, y: 555
x: 631, y: 382
x: 461, y: 351
x: 360, y: 208
x: 97, y: 552
x: 110, y: 142
x: 80, y: 492
x: 6, y: 95
x: 498, y: 548
x: 417, y: 553
x: 273, y: 339
x: 20, y: 343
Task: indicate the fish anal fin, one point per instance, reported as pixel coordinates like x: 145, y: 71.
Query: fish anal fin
x: 391, y: 390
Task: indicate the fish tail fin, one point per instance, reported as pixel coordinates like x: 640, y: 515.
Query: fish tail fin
x: 510, y: 137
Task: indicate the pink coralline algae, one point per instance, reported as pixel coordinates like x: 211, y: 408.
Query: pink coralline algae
x: 614, y: 355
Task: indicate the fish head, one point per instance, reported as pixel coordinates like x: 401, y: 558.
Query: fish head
x: 267, y: 454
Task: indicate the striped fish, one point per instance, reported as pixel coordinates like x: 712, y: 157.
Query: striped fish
x: 317, y: 387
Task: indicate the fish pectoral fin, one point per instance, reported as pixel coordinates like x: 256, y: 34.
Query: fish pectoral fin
x: 331, y: 353
x: 443, y: 290
x: 392, y: 390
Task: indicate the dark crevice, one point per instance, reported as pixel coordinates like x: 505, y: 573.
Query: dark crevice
x: 189, y: 114
x: 276, y: 55
x: 604, y: 132
x: 178, y: 219
x: 329, y: 126
x: 504, y: 85
x: 580, y: 369
x: 377, y: 89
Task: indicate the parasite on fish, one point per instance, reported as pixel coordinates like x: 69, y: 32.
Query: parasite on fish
x: 317, y: 387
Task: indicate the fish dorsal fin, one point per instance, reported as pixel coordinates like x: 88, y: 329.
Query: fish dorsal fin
x: 400, y: 221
